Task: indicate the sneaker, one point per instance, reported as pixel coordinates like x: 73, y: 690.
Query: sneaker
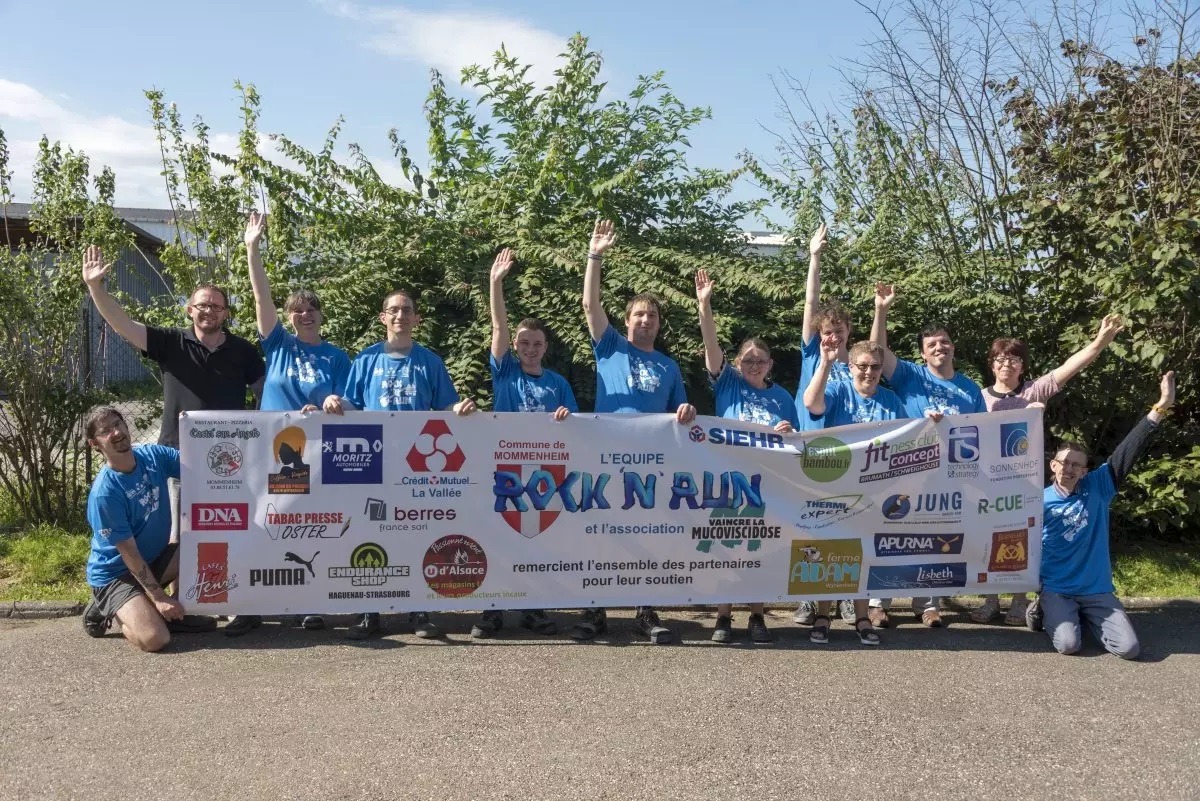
x: 723, y: 631
x: 757, y: 629
x: 94, y: 623
x: 240, y: 624
x: 648, y: 624
x: 423, y: 627
x: 367, y: 626
x: 878, y: 617
x: 932, y: 618
x: 1016, y: 612
x: 491, y: 622
x: 1034, y: 619
x: 593, y: 624
x: 537, y: 621
x: 192, y: 624
x: 866, y: 634
x: 806, y: 612
x: 312, y: 622
x: 846, y: 610
x: 988, y: 611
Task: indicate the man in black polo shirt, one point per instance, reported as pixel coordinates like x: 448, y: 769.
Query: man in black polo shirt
x: 204, y: 367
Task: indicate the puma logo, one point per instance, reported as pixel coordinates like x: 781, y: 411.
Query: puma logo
x: 291, y: 557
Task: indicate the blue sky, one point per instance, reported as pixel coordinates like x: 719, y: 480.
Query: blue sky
x: 76, y: 70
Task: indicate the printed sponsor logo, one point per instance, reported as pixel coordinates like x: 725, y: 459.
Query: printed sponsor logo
x: 369, y: 567
x: 1023, y: 468
x: 917, y: 577
x: 917, y: 544
x: 696, y: 434
x: 305, y: 525
x: 285, y: 576
x: 351, y: 454
x: 220, y: 516
x: 963, y: 452
x: 825, y: 459
x: 1009, y: 551
x: 1014, y: 440
x: 436, y: 450
x: 923, y: 508
x: 213, y: 579
x: 737, y: 437
x: 732, y: 527
x: 818, y: 566
x: 224, y: 459
x: 822, y: 512
x: 1015, y: 502
x: 224, y: 433
x: 292, y: 473
x: 886, y: 460
x: 544, y: 480
x: 454, y: 566
x: 376, y: 510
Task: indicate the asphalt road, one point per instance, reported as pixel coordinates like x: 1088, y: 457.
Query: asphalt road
x: 970, y: 712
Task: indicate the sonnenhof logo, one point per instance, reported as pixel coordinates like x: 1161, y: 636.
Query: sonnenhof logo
x: 825, y: 459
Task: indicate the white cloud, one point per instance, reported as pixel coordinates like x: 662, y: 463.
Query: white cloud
x: 451, y: 40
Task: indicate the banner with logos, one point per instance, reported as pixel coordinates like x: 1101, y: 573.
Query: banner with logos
x: 374, y: 511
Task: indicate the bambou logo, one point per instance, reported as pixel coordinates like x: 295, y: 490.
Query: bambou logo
x: 220, y: 516
x: 819, y: 566
x: 825, y: 459
x: 1014, y: 440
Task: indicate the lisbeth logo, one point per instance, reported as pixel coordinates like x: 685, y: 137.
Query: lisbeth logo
x: 545, y: 481
x: 220, y: 516
x: 213, y: 579
x: 436, y: 450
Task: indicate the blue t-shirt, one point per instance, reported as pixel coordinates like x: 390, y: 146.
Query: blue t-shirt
x: 632, y: 380
x: 738, y: 400
x: 417, y: 382
x: 124, y: 505
x: 1075, y: 559
x: 921, y: 391
x: 844, y: 406
x: 514, y: 390
x: 299, y: 373
x: 810, y: 358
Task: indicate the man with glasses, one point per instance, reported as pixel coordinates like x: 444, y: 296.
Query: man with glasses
x: 204, y: 367
x: 931, y: 389
x: 1076, y: 570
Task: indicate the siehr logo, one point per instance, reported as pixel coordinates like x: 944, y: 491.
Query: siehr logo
x: 220, y: 516
x: 352, y: 454
x: 917, y: 544
x: 436, y: 450
x: 739, y: 438
x: 696, y: 434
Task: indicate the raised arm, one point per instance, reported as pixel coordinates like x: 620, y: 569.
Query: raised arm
x: 885, y: 296
x: 264, y: 304
x: 814, y: 395
x: 1125, y: 455
x: 500, y: 267
x: 1110, y: 326
x: 603, y: 238
x: 713, y: 357
x: 812, y: 289
x: 94, y: 270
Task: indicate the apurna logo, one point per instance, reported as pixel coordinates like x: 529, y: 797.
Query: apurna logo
x: 352, y: 454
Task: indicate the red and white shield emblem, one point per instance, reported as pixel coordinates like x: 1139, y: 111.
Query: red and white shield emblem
x: 530, y: 523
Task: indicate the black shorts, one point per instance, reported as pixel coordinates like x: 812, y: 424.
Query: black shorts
x: 121, y: 590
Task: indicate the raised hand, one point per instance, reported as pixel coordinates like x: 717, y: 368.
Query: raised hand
x: 502, y: 264
x: 603, y: 237
x: 1110, y: 326
x: 94, y: 268
x: 1166, y: 398
x: 256, y: 226
x: 885, y: 295
x: 704, y: 287
x: 816, y: 245
x: 829, y: 348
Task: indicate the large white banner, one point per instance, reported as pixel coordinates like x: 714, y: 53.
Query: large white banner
x: 376, y: 511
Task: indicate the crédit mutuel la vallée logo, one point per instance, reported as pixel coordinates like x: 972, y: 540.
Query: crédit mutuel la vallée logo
x: 220, y: 516
x: 434, y: 457
x: 351, y: 454
x: 454, y: 566
x: 213, y: 579
x: 292, y: 474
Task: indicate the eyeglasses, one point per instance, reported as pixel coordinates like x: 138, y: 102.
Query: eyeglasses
x: 399, y: 311
x: 306, y: 310
x: 208, y: 307
x: 752, y: 362
x: 1073, y: 465
x: 1009, y: 360
x: 868, y: 367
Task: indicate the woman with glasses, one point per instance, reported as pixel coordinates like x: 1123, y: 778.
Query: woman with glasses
x: 302, y: 368
x: 1007, y: 359
x: 743, y: 392
x: 842, y: 403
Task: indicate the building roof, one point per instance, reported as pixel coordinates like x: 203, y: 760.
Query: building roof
x: 14, y: 223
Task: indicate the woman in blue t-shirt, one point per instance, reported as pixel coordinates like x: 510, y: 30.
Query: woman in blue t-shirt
x: 743, y: 392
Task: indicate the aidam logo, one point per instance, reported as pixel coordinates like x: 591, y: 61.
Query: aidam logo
x: 923, y: 508
x: 822, y: 512
x: 963, y: 452
x: 1014, y: 440
x: 736, y: 437
x: 352, y: 454
x: 887, y: 460
x: 436, y: 450
x: 824, y: 566
x: 544, y: 479
x: 917, y: 544
x: 220, y: 516
x: 917, y: 577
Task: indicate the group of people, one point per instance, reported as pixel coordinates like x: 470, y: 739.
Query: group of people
x: 134, y: 552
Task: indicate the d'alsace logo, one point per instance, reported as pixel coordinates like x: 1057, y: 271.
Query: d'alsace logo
x: 824, y: 512
x: 220, y: 516
x: 917, y: 577
x: 293, y: 473
x: 351, y: 454
x: 917, y: 544
x: 454, y: 566
x: 901, y: 458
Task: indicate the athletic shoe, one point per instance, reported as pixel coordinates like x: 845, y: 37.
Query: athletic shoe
x: 757, y: 629
x: 491, y: 622
x: 423, y: 627
x: 537, y: 621
x: 1034, y: 619
x: 988, y: 611
x: 593, y: 624
x: 878, y: 617
x: 648, y: 625
x: 723, y: 630
x: 367, y: 626
x: 94, y: 623
x: 932, y: 618
x: 240, y: 624
x: 846, y: 610
x: 806, y: 612
x: 313, y: 622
